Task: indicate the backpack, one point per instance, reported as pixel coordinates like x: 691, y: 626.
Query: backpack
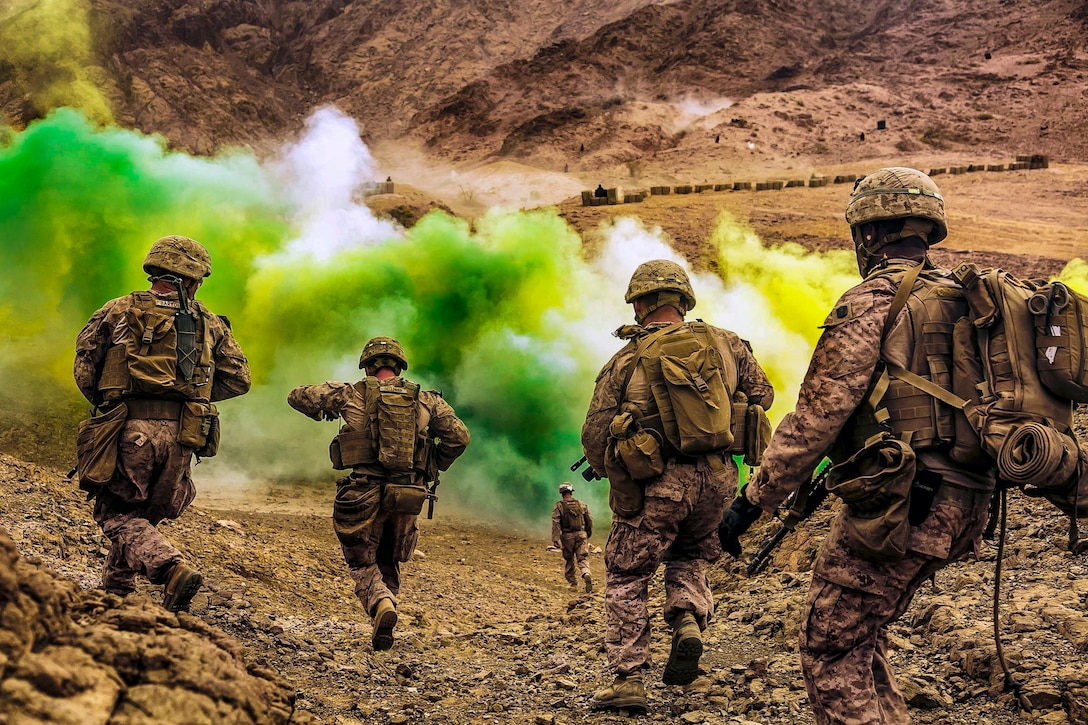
x: 690, y: 381
x: 571, y: 516
x: 144, y: 359
x: 389, y: 438
x: 994, y: 375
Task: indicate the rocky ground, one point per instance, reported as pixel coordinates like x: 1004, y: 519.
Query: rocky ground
x: 490, y: 632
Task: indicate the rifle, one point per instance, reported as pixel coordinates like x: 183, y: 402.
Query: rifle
x: 432, y: 496
x: 431, y: 473
x: 589, y: 474
x: 801, y: 504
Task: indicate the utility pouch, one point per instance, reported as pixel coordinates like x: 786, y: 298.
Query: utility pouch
x: 875, y: 484
x: 625, y: 495
x: 199, y: 428
x: 403, y: 498
x: 354, y: 511
x: 635, y: 448
x: 96, y: 448
x: 923, y: 492
x: 352, y: 448
x: 757, y: 434
x: 1061, y: 340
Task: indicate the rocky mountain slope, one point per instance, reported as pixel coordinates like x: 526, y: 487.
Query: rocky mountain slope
x: 585, y: 85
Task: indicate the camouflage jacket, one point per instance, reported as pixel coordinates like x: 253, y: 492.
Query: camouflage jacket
x: 576, y: 509
x: 608, y: 394
x: 230, y: 377
x: 333, y: 400
x: 839, y: 374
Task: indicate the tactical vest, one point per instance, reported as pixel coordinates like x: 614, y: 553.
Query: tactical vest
x: 389, y: 437
x: 945, y: 354
x: 142, y: 360
x: 682, y: 386
x: 571, y: 517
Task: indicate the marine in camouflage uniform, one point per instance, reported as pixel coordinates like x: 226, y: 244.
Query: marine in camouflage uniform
x: 895, y: 214
x: 153, y: 480
x: 682, y: 506
x: 572, y: 526
x: 375, y: 541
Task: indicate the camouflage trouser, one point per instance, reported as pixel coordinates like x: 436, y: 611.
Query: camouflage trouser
x: 678, y: 526
x: 852, y: 602
x: 153, y: 483
x: 374, y: 542
x: 575, y: 555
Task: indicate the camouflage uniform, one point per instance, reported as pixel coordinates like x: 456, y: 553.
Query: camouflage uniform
x: 373, y: 552
x: 574, y: 541
x: 679, y: 520
x: 853, y: 600
x: 153, y: 480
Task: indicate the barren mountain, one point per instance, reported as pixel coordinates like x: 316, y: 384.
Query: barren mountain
x: 587, y: 84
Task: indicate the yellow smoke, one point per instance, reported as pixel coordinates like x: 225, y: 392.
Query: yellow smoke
x: 46, y: 48
x: 1075, y: 275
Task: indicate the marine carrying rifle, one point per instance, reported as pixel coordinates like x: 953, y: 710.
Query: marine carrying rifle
x: 801, y: 504
x: 589, y: 474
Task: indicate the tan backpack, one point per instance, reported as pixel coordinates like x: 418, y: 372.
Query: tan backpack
x: 1020, y: 421
x: 690, y: 382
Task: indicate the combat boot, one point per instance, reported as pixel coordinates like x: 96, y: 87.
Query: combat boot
x: 687, y: 647
x: 588, y: 579
x: 626, y: 692
x: 385, y: 618
x: 182, y: 584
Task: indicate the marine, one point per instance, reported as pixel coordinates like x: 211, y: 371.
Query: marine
x: 395, y: 438
x: 153, y: 363
x: 666, y: 503
x: 930, y: 484
x: 572, y: 526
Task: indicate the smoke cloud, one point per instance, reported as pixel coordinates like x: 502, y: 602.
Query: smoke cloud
x: 506, y: 316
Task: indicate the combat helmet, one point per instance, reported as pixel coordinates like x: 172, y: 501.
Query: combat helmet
x: 896, y: 192
x: 180, y: 255
x: 383, y: 346
x: 565, y: 487
x: 661, y: 275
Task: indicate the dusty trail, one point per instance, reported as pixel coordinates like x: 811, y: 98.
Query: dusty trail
x: 490, y: 633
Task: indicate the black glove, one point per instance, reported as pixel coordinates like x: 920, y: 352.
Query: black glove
x: 738, y: 519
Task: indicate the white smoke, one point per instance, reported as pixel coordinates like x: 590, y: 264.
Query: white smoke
x: 321, y: 175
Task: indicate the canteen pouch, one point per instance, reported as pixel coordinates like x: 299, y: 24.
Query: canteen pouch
x: 199, y: 428
x: 96, y: 448
x: 636, y: 449
x: 403, y: 498
x: 354, y: 511
x: 875, y: 485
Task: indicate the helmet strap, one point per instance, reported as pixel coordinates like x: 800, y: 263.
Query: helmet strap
x: 665, y: 298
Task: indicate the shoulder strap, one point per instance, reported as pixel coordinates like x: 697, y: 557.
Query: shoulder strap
x: 900, y: 299
x: 898, y: 372
x: 643, y: 344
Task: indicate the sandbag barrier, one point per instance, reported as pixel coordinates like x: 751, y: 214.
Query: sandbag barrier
x: 1023, y: 162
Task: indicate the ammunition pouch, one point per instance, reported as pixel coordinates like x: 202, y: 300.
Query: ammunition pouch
x: 354, y: 511
x: 96, y: 448
x: 352, y: 448
x: 403, y: 498
x: 875, y: 484
x: 198, y: 428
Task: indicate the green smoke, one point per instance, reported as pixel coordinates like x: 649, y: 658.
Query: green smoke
x: 481, y: 312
